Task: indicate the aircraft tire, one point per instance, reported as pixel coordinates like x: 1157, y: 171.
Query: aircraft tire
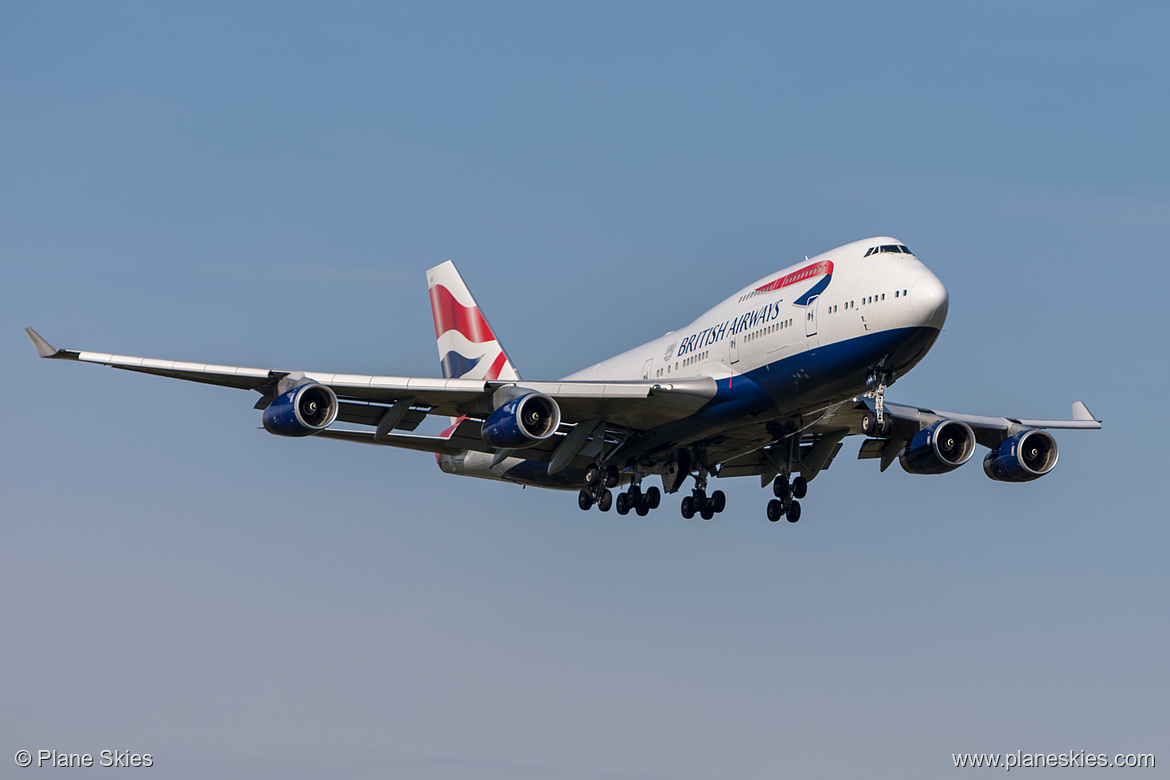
x: 584, y: 499
x: 708, y: 512
x: 611, y: 476
x: 642, y: 507
x: 793, y: 513
x: 887, y: 425
x: 775, y: 509
x: 780, y: 487
x: 799, y: 487
x: 592, y: 474
x: 654, y: 496
x: 688, y: 507
x: 718, y: 501
x: 623, y: 504
x: 606, y: 501
x: 869, y: 424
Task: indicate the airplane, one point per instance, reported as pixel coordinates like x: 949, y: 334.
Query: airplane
x: 767, y: 383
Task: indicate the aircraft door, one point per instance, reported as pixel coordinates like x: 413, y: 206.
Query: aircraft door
x: 810, y: 316
x: 647, y: 368
x: 733, y: 350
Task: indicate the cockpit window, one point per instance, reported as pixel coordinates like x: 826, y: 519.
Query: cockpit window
x: 891, y: 248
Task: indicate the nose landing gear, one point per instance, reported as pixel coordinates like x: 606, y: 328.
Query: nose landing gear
x: 877, y: 422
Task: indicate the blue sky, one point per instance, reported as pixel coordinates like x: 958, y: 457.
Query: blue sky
x: 264, y: 185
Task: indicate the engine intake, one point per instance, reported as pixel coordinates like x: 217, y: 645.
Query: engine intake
x: 1022, y: 458
x: 942, y: 447
x: 522, y: 420
x: 302, y: 411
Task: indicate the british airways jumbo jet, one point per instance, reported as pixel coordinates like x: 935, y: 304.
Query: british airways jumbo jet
x: 767, y: 384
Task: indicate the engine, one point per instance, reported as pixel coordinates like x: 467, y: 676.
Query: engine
x: 302, y: 411
x: 1022, y: 458
x: 942, y: 447
x: 522, y: 420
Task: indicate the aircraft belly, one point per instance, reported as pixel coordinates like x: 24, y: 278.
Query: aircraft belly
x: 794, y: 385
x: 832, y: 372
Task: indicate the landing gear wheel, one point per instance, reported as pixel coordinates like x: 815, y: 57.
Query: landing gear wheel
x: 606, y: 501
x: 611, y: 476
x: 635, y: 493
x: 793, y: 511
x: 592, y: 474
x: 869, y: 424
x: 654, y: 497
x: 642, y: 507
x: 708, y: 512
x: 780, y: 487
x: 887, y: 425
x: 623, y: 504
x: 718, y: 501
x: 775, y: 509
x: 688, y: 507
x: 799, y: 487
x: 584, y: 499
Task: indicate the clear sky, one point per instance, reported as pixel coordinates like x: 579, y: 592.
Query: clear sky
x: 265, y: 184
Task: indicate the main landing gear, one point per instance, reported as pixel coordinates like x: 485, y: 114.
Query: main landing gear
x: 640, y: 502
x: 706, y: 507
x: 698, y: 501
x: 599, y: 479
x: 785, y: 504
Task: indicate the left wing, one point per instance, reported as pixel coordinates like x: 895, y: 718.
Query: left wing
x: 368, y: 400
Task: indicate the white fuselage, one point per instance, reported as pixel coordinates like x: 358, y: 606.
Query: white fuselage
x: 883, y: 291
x: 808, y: 321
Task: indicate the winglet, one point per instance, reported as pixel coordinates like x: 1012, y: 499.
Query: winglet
x: 1081, y: 413
x: 44, y: 348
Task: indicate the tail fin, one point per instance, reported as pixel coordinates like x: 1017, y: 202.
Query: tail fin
x: 467, y: 347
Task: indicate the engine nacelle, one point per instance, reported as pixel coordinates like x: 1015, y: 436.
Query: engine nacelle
x: 522, y: 420
x: 942, y: 447
x: 302, y: 411
x: 1022, y: 458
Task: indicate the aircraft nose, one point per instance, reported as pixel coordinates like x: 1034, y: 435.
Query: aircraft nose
x: 929, y: 299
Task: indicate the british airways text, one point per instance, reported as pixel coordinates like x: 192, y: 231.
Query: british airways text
x: 751, y: 319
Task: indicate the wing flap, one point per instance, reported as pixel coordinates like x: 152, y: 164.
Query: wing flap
x: 372, y: 414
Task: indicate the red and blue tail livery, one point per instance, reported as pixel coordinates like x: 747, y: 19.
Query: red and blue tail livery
x: 467, y: 347
x: 767, y: 384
